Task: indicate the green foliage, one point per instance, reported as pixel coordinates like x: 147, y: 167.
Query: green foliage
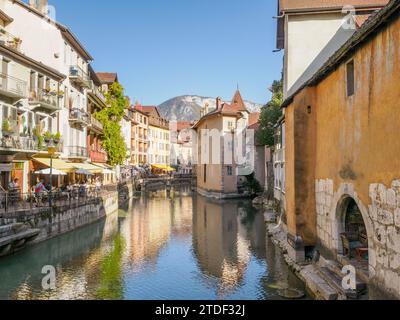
x: 111, y: 286
x: 270, y: 114
x: 6, y: 125
x: 110, y: 117
x: 57, y: 136
x: 48, y: 135
x: 252, y: 184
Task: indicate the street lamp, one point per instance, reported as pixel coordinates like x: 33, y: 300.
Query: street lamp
x: 51, y: 143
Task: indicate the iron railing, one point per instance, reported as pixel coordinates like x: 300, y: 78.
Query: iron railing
x: 78, y: 151
x: 79, y: 115
x: 13, y: 203
x: 45, y: 98
x: 94, y: 123
x: 13, y: 86
x: 97, y: 92
x: 76, y: 73
x: 9, y: 40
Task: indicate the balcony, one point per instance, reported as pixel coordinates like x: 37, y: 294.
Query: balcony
x: 79, y: 117
x: 9, y: 40
x: 44, y: 100
x: 77, y: 152
x: 98, y: 156
x: 130, y: 115
x: 78, y: 76
x: 11, y: 141
x: 95, y: 125
x: 95, y: 91
x: 13, y: 87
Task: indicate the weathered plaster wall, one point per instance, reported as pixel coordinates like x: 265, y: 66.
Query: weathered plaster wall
x: 300, y: 120
x: 357, y: 148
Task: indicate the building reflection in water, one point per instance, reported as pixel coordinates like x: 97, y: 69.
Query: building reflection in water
x: 219, y: 248
x: 151, y: 223
x: 224, y: 236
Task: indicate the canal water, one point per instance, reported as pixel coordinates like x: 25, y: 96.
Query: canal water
x: 160, y: 246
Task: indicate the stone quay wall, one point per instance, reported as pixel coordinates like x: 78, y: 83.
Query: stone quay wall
x: 53, y: 222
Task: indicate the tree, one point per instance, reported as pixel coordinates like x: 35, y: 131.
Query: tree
x: 270, y: 115
x: 110, y: 117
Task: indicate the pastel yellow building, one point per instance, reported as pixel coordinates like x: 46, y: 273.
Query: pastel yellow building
x: 159, y: 146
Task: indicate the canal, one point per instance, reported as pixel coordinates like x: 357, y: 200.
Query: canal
x: 160, y: 246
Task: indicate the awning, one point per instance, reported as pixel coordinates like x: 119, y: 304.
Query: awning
x: 106, y: 168
x: 163, y: 167
x: 57, y: 164
x: 101, y: 165
x: 87, y: 166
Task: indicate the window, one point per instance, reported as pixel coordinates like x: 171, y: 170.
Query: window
x: 350, y: 78
x: 229, y: 171
x: 205, y: 173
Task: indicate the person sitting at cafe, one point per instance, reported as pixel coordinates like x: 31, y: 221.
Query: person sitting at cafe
x: 14, y: 191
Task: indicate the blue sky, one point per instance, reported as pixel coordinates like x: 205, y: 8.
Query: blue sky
x: 166, y: 48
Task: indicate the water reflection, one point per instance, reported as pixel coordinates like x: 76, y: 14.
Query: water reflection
x: 165, y: 245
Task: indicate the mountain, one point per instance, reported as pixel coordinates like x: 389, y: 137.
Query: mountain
x: 187, y: 108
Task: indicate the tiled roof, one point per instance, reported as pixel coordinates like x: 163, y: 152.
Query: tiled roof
x: 107, y: 77
x: 183, y: 125
x: 150, y: 110
x: 237, y: 103
x: 233, y: 109
x: 294, y: 5
x: 254, y: 118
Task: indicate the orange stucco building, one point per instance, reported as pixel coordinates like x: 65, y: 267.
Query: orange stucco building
x: 342, y: 148
x: 219, y: 173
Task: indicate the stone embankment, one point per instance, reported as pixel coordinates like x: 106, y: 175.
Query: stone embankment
x: 27, y: 227
x: 322, y: 278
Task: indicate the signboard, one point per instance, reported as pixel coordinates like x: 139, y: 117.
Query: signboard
x: 5, y: 167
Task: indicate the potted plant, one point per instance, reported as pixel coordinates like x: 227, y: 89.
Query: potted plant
x: 60, y: 94
x: 6, y: 128
x: 57, y: 138
x: 16, y: 43
x: 47, y: 137
x: 36, y: 134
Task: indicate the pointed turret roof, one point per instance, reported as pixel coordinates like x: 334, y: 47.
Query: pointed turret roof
x: 237, y: 103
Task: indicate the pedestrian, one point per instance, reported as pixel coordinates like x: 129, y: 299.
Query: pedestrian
x: 39, y: 190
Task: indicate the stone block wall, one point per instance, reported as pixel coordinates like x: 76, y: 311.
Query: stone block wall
x: 382, y: 221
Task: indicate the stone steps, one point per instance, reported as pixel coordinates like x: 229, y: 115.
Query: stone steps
x: 15, y: 236
x: 332, y: 274
x: 317, y: 284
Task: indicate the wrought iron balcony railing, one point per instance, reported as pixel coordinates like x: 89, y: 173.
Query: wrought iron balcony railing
x: 13, y: 87
x: 79, y: 116
x: 9, y: 40
x: 79, y: 76
x: 77, y: 152
x: 45, y: 100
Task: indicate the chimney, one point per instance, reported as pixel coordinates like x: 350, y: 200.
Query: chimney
x: 219, y: 103
x: 40, y: 5
x: 206, y: 108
